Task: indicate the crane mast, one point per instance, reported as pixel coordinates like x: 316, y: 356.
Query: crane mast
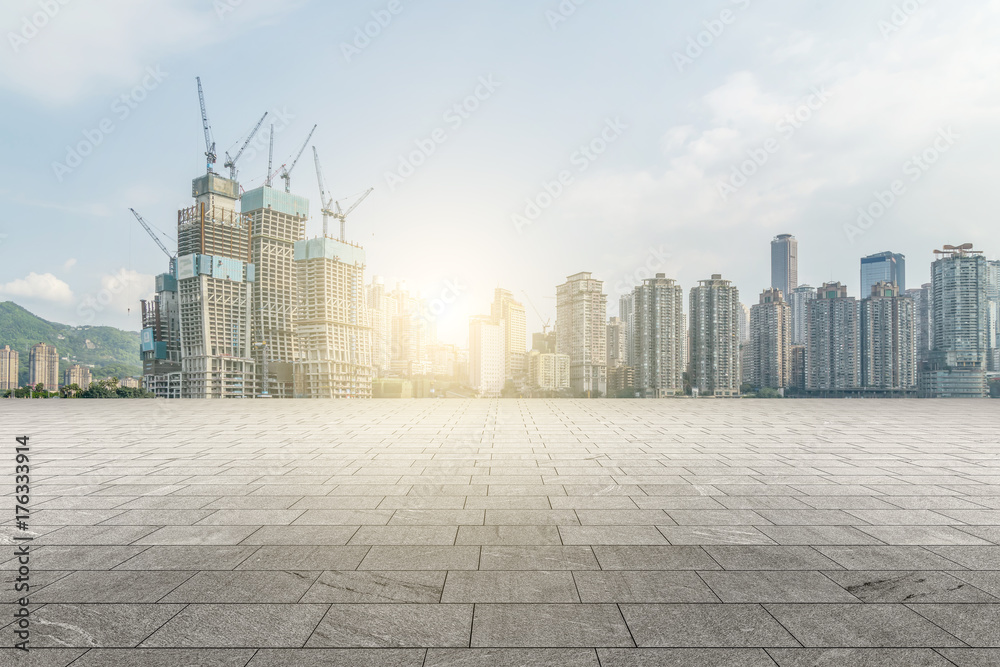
x: 270, y: 156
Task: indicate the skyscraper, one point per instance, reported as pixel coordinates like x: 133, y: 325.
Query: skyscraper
x: 715, y: 347
x: 215, y: 285
x: 784, y: 263
x: 410, y: 334
x: 885, y: 267
x: 487, y: 356
x: 832, y: 354
x: 43, y: 366
x: 160, y: 338
x: 277, y: 220
x: 382, y: 309
x: 888, y: 339
x: 922, y: 312
x: 617, y: 342
x: 744, y: 323
x: 331, y: 321
x: 9, y: 360
x: 656, y: 340
x: 511, y: 312
x: 581, y: 331
x: 956, y: 366
x: 993, y: 314
x: 797, y: 301
x: 769, y: 354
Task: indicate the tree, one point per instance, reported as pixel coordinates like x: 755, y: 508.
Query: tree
x: 509, y: 390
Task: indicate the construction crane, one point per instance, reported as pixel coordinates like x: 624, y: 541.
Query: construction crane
x: 546, y: 323
x: 331, y: 208
x: 209, y: 141
x: 270, y: 156
x: 231, y: 161
x: 286, y: 174
x: 156, y: 239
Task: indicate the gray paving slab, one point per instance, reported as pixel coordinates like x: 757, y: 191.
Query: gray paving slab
x: 533, y: 533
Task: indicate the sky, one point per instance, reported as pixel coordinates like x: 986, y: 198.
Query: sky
x: 509, y: 143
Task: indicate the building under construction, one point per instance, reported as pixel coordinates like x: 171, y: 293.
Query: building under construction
x: 331, y: 322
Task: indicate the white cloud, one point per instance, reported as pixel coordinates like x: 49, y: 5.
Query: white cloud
x: 69, y: 264
x: 78, y: 48
x: 45, y: 287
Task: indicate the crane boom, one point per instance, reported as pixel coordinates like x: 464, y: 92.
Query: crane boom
x: 209, y: 141
x: 231, y: 161
x: 286, y: 174
x: 324, y: 203
x: 358, y: 202
x: 270, y: 155
x: 149, y: 231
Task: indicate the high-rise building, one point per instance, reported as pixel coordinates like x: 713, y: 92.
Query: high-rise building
x: 333, y: 338
x: 215, y: 293
x: 769, y: 355
x: 656, y: 337
x: 888, y: 339
x: 511, y: 312
x: 444, y: 360
x: 744, y: 323
x: 922, y: 312
x: 43, y: 366
x: 883, y: 267
x: 544, y: 342
x: 798, y: 305
x: 581, y: 330
x: 993, y: 315
x: 956, y: 366
x: 78, y: 375
x: 797, y: 355
x: 715, y: 347
x: 410, y: 334
x: 277, y: 221
x: 160, y: 338
x: 832, y: 352
x: 547, y: 371
x: 617, y: 342
x: 487, y: 356
x: 784, y: 263
x: 382, y: 308
x: 9, y: 360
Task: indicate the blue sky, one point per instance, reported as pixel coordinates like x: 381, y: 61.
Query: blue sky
x: 670, y: 96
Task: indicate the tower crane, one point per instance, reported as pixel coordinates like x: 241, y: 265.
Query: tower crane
x: 286, y: 174
x: 231, y: 161
x: 209, y: 141
x: 331, y: 208
x: 546, y: 323
x: 156, y: 239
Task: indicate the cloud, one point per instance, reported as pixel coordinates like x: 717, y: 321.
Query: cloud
x: 60, y: 51
x: 45, y: 287
x: 69, y: 264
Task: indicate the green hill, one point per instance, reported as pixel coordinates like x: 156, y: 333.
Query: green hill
x: 110, y: 351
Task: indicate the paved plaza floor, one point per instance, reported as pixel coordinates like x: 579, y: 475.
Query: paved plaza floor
x: 540, y: 533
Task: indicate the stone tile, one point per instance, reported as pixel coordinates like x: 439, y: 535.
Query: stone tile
x: 775, y: 586
x: 818, y: 535
x: 538, y: 558
x: 302, y: 535
x: 194, y: 535
x: 39, y: 657
x: 421, y: 558
x: 972, y: 557
x: 549, y: 625
x: 372, y: 586
x: 427, y: 535
x: 165, y: 657
x: 709, y: 625
x: 244, y: 586
x: 327, y: 657
x: 394, y: 625
x: 642, y: 586
x: 510, y: 535
x: 972, y: 657
x: 594, y: 535
x: 977, y: 625
x: 654, y: 558
x: 921, y: 535
x: 113, y: 586
x: 305, y: 558
x: 188, y: 558
x: 510, y: 586
x: 97, y: 625
x: 886, y: 558
x: 80, y: 558
x: 860, y: 625
x: 238, y: 625
x: 684, y: 657
x: 858, y: 657
x: 715, y: 535
x: 770, y: 558
x: 920, y: 586
x: 429, y: 517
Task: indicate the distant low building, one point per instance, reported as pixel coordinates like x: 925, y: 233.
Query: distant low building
x: 78, y: 375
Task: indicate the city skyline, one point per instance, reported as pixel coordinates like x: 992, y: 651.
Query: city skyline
x: 671, y: 128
